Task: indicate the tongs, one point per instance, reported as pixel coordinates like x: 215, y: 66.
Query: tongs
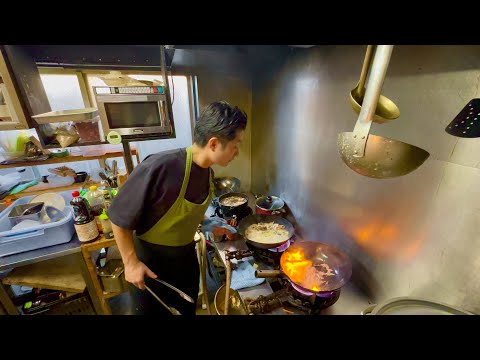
x: 169, y: 308
x: 178, y: 291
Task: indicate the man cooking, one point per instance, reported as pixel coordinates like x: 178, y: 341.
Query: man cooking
x: 156, y: 213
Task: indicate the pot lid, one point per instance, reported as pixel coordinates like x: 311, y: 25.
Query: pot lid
x: 270, y: 203
x: 415, y: 306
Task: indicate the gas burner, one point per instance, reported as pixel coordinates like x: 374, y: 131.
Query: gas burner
x: 269, y: 256
x: 309, y: 302
x: 287, y: 295
x: 281, y: 248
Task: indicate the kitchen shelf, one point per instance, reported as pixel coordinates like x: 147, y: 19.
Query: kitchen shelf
x: 62, y: 274
x: 56, y: 160
x: 77, y: 115
x: 101, y: 243
x: 74, y: 186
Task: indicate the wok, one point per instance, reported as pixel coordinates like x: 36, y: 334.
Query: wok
x: 226, y: 184
x: 313, y: 267
x: 261, y: 218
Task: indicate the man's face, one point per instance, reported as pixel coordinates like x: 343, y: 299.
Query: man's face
x: 223, y: 155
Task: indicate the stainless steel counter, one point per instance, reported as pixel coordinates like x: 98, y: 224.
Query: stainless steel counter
x: 351, y: 301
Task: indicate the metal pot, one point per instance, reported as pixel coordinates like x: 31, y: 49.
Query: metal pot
x: 270, y: 205
x: 413, y: 306
x: 235, y: 303
x: 313, y: 267
x: 229, y: 211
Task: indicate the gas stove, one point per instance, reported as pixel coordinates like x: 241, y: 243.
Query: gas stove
x: 292, y: 299
x: 269, y: 257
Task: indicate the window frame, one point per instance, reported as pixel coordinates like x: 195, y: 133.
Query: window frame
x: 87, y: 94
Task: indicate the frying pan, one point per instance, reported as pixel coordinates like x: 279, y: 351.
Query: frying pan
x: 313, y: 267
x: 386, y: 109
x: 371, y: 155
x: 263, y: 218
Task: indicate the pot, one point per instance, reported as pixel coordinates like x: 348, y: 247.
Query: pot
x: 228, y: 210
x: 270, y: 205
x: 235, y: 303
x: 260, y: 218
x: 412, y: 306
x: 313, y: 267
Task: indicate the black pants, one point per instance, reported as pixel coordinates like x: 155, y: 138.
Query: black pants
x: 177, y: 265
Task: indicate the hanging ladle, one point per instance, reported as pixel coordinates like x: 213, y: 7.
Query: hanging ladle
x: 371, y: 155
x: 386, y: 109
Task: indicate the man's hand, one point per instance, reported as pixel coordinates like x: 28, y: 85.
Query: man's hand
x: 135, y: 273
x: 217, y: 226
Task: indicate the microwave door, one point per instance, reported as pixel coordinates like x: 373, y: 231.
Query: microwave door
x: 114, y: 118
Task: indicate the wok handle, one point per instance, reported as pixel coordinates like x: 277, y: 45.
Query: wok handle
x: 368, y: 310
x: 268, y: 273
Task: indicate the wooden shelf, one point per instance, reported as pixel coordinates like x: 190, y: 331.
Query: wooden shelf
x: 56, y: 160
x: 75, y: 186
x: 62, y: 274
x: 98, y: 244
x: 111, y: 294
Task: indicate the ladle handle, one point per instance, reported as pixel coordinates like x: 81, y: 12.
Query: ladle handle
x: 372, y: 94
x: 363, y: 74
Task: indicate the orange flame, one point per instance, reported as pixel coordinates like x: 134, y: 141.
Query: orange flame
x: 295, y: 265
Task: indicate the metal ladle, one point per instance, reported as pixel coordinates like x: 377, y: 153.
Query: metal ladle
x: 371, y: 155
x: 386, y: 109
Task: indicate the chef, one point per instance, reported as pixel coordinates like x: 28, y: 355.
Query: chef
x: 157, y: 211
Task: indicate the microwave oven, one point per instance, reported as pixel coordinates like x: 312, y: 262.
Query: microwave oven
x: 135, y: 111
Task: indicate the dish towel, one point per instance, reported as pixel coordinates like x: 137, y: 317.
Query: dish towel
x: 22, y: 187
x: 244, y: 276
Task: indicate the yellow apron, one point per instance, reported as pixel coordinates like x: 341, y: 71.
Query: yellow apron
x: 178, y: 225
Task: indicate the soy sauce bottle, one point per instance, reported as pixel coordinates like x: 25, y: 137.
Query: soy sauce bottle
x: 84, y: 220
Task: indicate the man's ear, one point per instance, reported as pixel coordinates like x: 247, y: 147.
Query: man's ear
x: 213, y: 143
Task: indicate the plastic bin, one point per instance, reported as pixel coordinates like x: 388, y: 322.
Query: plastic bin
x: 36, y: 237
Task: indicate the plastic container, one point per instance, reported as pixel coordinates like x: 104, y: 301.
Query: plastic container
x: 36, y: 237
x: 97, y: 202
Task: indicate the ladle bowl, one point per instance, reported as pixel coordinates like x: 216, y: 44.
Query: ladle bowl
x: 383, y: 158
x: 371, y: 155
x: 386, y: 109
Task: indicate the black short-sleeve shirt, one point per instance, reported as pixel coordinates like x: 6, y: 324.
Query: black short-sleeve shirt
x: 152, y: 188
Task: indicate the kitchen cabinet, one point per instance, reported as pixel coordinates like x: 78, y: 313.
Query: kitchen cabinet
x: 12, y: 116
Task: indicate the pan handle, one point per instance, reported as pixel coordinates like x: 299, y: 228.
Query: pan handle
x: 268, y: 273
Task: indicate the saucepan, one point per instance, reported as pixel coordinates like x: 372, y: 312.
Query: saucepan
x: 233, y: 203
x: 265, y: 231
x: 313, y: 267
x: 271, y: 205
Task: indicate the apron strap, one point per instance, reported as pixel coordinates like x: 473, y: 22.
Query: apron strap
x: 186, y: 178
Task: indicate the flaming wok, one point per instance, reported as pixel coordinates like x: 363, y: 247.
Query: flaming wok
x: 313, y: 267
